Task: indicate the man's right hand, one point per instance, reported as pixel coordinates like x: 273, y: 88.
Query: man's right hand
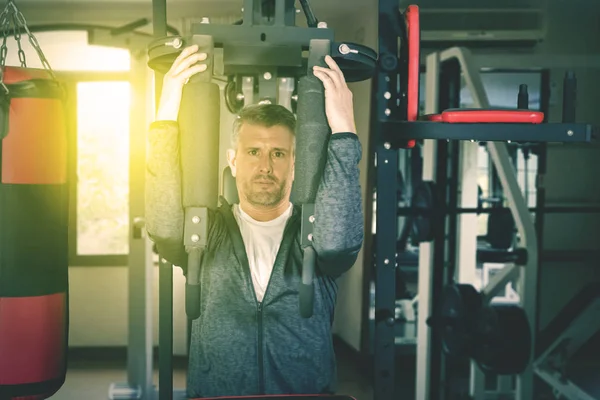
x: 186, y: 65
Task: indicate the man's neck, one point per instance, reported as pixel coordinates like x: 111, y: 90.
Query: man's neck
x: 263, y: 214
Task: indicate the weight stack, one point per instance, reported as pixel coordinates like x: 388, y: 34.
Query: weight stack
x: 33, y: 236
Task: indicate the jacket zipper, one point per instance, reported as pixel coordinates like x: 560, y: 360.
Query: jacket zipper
x: 259, y: 317
x: 261, y: 372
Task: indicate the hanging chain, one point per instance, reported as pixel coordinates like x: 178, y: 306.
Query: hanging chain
x: 12, y: 14
x: 32, y: 39
x: 17, y: 34
x: 4, y: 25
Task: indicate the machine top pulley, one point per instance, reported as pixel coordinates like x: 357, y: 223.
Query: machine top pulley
x: 267, y: 40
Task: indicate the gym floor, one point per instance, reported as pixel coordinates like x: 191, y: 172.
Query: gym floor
x: 91, y: 371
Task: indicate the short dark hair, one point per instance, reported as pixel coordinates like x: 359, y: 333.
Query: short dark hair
x: 266, y: 115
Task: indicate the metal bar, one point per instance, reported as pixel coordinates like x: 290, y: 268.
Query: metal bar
x: 248, y: 13
x: 86, y: 27
x: 159, y: 18
x: 385, y: 282
x: 404, y: 211
x: 504, y: 385
x: 165, y: 297
x: 159, y: 29
x: 130, y: 27
x: 477, y: 377
x: 542, y: 162
x: 499, y: 281
x: 443, y: 230
x: 451, y: 74
x: 436, y: 373
x: 386, y: 170
x: 288, y: 36
x: 397, y: 132
x: 565, y: 387
x: 524, y: 223
x: 576, y: 335
x: 165, y: 333
x: 140, y: 271
x: 426, y: 249
x: 586, y: 325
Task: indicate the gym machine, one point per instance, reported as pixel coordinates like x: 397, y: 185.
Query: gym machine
x: 266, y: 59
x: 452, y: 318
x: 574, y: 325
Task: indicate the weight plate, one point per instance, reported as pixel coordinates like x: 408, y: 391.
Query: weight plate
x: 503, y: 340
x: 460, y: 307
x: 501, y: 229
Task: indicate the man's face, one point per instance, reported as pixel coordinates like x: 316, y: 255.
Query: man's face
x: 263, y: 164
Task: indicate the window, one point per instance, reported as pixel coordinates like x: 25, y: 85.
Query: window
x: 68, y: 51
x: 103, y: 168
x: 99, y: 96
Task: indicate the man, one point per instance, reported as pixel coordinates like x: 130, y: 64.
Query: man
x: 250, y: 338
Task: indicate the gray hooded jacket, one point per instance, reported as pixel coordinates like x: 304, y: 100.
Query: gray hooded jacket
x: 240, y: 346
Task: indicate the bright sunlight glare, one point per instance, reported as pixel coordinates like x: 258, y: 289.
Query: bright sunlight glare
x: 103, y: 114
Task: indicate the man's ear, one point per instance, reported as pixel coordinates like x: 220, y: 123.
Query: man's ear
x: 231, y: 160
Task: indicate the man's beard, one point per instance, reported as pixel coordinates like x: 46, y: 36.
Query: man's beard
x: 270, y: 196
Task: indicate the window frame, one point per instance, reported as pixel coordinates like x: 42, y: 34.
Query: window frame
x: 70, y: 79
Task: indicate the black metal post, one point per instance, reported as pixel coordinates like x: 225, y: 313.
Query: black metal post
x: 165, y: 295
x: 384, y: 107
x: 159, y: 26
x: 449, y: 98
x: 165, y: 330
x: 540, y: 196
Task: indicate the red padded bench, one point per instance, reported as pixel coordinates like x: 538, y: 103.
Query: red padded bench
x: 452, y: 115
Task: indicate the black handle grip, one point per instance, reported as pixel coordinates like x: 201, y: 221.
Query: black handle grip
x: 307, y: 296
x: 192, y: 300
x: 306, y: 291
x: 192, y: 286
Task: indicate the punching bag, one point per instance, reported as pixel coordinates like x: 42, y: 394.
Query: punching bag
x: 33, y: 236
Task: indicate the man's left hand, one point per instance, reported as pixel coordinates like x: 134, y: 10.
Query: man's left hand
x: 338, y: 97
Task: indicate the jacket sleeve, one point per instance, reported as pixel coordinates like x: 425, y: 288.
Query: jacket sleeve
x: 164, y: 212
x: 339, y: 224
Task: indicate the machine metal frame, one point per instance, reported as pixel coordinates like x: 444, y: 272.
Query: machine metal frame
x: 257, y: 51
x: 392, y: 132
x: 526, y: 274
x: 549, y: 364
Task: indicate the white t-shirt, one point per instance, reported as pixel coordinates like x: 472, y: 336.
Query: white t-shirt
x: 262, y: 241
